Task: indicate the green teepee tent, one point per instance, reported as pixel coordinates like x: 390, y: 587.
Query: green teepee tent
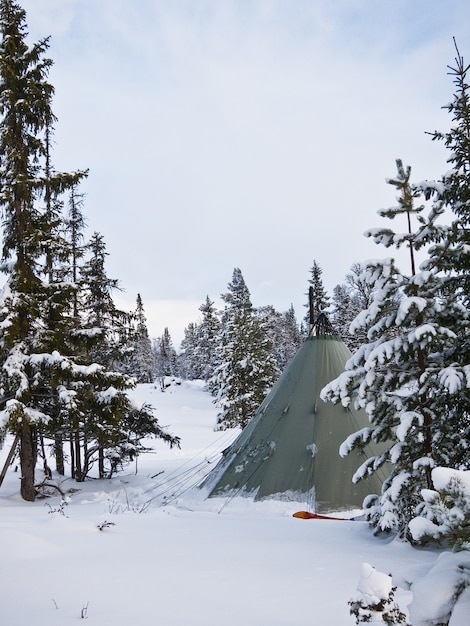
x: 290, y: 448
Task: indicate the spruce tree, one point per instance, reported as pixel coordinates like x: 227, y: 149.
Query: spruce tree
x: 349, y: 299
x: 99, y: 416
x: 49, y: 384
x: 449, y: 257
x: 291, y: 334
x: 283, y: 332
x: 342, y: 314
x: 189, y: 365
x: 61, y: 290
x: 199, y: 356
x: 405, y: 375
x: 449, y: 253
x: 73, y: 225
x: 140, y: 362
x: 32, y: 310
x: 208, y: 331
x: 106, y: 425
x: 247, y: 367
x: 318, y: 300
x: 165, y: 358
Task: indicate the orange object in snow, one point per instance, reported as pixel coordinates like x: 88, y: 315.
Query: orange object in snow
x: 308, y: 515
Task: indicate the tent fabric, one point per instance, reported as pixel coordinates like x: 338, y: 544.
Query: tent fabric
x: 290, y: 448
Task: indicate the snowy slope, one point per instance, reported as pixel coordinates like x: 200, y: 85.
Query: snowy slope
x: 171, y: 557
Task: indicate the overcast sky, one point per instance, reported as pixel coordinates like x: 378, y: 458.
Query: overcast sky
x: 243, y: 133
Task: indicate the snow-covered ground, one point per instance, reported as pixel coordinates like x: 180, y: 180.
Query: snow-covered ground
x: 168, y: 556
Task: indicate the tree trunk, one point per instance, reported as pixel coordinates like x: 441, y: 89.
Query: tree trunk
x: 79, y: 475
x: 72, y: 457
x: 47, y: 469
x: 101, y: 462
x: 59, y: 455
x: 28, y: 457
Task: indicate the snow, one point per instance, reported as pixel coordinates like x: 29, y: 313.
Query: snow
x: 442, y: 476
x: 374, y: 585
x: 409, y: 303
x: 407, y: 419
x: 167, y: 555
x: 434, y: 600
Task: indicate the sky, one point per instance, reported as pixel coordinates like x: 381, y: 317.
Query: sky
x: 256, y: 134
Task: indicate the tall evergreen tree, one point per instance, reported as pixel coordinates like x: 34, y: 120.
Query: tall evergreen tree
x: 405, y: 376
x: 292, y: 336
x: 48, y: 383
x: 61, y: 289
x: 449, y: 253
x: 141, y: 357
x: 342, y: 314
x: 32, y: 318
x: 208, y: 332
x: 189, y: 365
x: 247, y: 367
x: 102, y: 328
x: 108, y: 327
x: 283, y: 332
x: 349, y: 299
x: 165, y: 358
x: 199, y: 357
x: 318, y: 300
x: 73, y: 225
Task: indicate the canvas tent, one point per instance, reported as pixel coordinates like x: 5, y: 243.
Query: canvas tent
x: 290, y: 448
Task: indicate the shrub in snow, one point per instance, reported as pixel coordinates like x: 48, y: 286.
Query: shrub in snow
x: 444, y: 516
x: 442, y: 595
x: 377, y: 600
x: 101, y: 526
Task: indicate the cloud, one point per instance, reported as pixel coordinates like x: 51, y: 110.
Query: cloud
x: 256, y: 134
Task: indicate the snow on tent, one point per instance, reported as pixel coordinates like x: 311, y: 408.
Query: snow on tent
x: 290, y: 448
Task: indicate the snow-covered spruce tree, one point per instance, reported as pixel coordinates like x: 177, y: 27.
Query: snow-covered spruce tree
x: 450, y: 253
x: 60, y: 289
x: 59, y: 427
x: 105, y: 425
x: 73, y: 225
x: 108, y: 327
x: 198, y: 358
x: 46, y: 380
x: 188, y: 365
x: 282, y: 331
x: 342, y: 311
x: 444, y: 515
x: 102, y: 403
x: 318, y: 299
x: 207, y: 340
x: 403, y: 376
x: 247, y: 367
x: 108, y: 426
x: 35, y: 297
x: 349, y: 299
x: 139, y: 362
x: 165, y: 358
